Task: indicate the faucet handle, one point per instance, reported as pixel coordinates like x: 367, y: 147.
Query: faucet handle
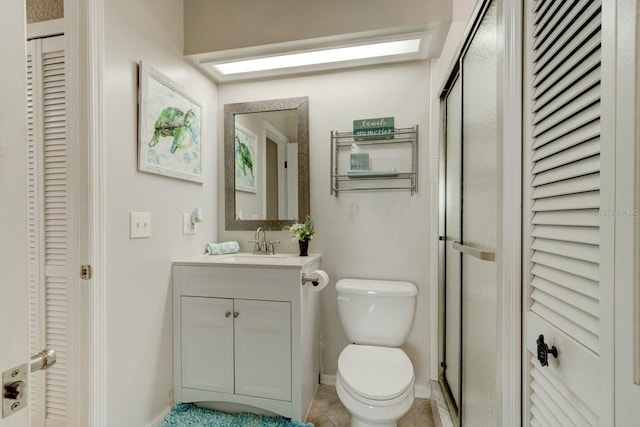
x: 271, y: 248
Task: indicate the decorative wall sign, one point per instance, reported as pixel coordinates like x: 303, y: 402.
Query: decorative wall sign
x: 170, y: 128
x: 377, y: 128
x: 246, y: 156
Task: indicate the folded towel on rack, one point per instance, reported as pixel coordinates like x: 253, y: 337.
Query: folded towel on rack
x: 231, y: 247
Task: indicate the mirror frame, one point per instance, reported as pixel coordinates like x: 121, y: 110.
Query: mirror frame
x: 301, y: 104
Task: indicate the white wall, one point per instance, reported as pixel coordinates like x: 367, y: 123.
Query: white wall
x: 366, y: 234
x: 138, y: 281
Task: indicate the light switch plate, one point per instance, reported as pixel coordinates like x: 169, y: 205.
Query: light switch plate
x: 187, y: 226
x: 139, y: 225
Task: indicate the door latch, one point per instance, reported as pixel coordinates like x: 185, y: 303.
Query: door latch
x: 14, y: 390
x: 15, y: 385
x: 86, y: 272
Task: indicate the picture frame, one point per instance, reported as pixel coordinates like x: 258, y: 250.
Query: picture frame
x: 169, y: 127
x: 246, y: 155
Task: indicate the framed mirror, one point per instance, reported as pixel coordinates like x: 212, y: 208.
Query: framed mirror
x: 266, y: 163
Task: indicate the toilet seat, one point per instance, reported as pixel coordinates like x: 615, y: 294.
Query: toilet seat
x: 375, y: 373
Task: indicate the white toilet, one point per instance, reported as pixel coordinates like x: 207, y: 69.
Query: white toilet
x: 375, y: 380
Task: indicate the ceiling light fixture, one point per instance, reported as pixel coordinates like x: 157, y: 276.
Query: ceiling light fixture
x: 326, y: 56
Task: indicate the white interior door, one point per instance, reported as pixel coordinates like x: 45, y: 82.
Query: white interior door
x: 57, y: 228
x: 627, y: 302
x: 292, y: 180
x: 54, y: 296
x: 567, y: 248
x: 14, y: 333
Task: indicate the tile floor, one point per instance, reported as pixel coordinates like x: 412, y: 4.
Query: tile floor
x: 327, y: 411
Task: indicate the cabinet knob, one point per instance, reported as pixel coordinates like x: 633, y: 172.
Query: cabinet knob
x: 227, y: 314
x: 235, y: 314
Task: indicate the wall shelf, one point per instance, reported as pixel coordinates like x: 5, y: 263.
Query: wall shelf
x: 401, y: 147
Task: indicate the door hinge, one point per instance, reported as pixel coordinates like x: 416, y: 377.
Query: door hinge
x: 86, y: 272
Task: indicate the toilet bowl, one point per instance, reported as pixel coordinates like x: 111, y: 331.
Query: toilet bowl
x: 375, y: 380
x: 375, y: 384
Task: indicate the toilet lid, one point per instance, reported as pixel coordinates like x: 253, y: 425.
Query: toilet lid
x: 378, y: 373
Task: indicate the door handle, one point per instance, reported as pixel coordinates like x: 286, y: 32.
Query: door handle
x: 15, y: 390
x: 43, y: 360
x: 474, y: 252
x: 544, y: 351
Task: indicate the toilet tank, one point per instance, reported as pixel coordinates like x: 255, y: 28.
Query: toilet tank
x: 376, y: 312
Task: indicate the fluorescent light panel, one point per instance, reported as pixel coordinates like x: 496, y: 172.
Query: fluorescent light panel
x: 342, y: 54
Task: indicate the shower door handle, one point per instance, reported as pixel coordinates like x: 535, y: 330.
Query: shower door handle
x: 474, y: 252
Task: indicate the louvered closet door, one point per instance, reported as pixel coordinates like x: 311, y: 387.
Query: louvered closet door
x: 563, y: 241
x: 49, y: 283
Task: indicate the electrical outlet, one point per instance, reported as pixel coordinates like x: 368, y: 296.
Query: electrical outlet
x: 188, y: 227
x: 139, y: 225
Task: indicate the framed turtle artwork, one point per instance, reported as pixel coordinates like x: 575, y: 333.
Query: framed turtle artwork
x: 170, y: 127
x: 246, y: 159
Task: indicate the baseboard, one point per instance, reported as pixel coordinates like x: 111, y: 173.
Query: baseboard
x: 157, y: 420
x: 328, y: 380
x: 421, y: 391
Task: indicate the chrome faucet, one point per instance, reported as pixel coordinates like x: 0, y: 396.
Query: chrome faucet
x: 261, y: 247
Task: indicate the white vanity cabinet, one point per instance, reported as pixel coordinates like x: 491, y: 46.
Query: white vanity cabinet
x: 246, y: 333
x: 250, y: 342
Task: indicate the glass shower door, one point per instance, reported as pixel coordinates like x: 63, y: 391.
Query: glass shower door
x: 470, y: 283
x: 479, y: 226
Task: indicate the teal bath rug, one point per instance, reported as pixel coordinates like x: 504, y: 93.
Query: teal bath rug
x: 189, y: 415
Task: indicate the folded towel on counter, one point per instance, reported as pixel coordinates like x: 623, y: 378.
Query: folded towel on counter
x: 232, y: 247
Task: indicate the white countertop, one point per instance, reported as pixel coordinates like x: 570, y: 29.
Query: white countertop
x: 248, y: 260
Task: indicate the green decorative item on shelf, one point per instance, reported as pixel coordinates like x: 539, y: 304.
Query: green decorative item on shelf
x: 302, y: 232
x: 380, y: 128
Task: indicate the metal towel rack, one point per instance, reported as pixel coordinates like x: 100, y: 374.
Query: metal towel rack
x: 474, y: 252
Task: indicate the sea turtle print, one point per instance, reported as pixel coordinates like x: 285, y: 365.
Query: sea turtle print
x: 174, y: 122
x: 243, y: 157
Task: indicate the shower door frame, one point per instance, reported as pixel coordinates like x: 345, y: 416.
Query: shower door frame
x: 509, y: 170
x: 453, y: 406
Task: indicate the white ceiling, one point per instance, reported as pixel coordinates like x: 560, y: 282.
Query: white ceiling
x: 222, y: 30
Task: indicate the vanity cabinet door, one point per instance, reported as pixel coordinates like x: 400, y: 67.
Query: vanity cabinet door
x: 207, y: 343
x: 263, y: 349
